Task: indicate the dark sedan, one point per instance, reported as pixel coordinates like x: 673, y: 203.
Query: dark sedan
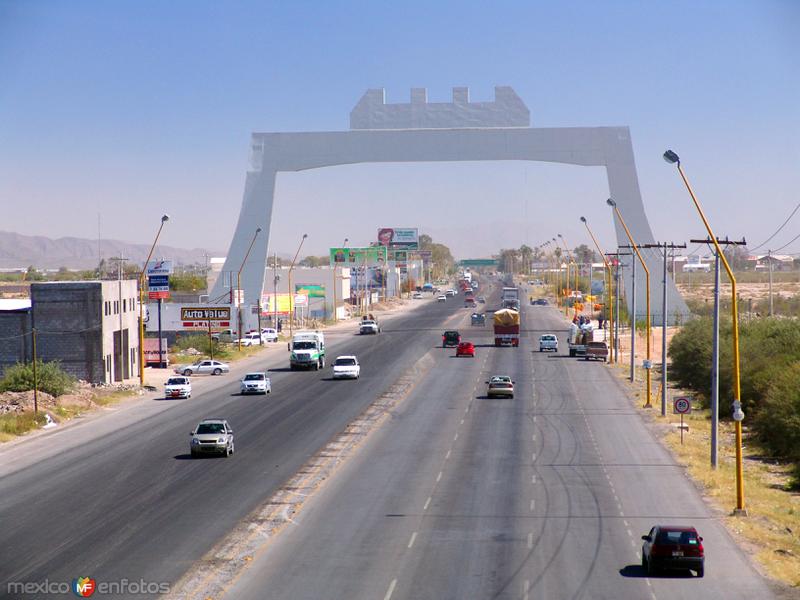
x: 673, y: 547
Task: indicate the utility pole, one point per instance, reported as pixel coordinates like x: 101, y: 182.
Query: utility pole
x: 769, y: 260
x: 664, y: 322
x: 715, y: 350
x: 618, y: 285
x: 633, y: 319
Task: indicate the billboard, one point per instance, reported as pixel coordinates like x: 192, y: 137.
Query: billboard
x: 159, y: 267
x: 284, y: 303
x: 198, y: 316
x: 312, y: 290
x: 372, y: 279
x: 397, y: 237
x: 352, y: 257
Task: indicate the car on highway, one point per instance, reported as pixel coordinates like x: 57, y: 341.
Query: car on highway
x: 178, y: 387
x: 211, y: 436
x: 500, y: 386
x: 346, y: 367
x: 466, y: 349
x: 673, y: 547
x: 481, y: 300
x: 269, y: 334
x: 368, y: 326
x: 451, y: 338
x: 548, y: 342
x: 478, y: 319
x: 539, y: 302
x: 255, y: 383
x: 203, y: 367
x: 416, y: 296
x: 450, y: 293
x: 441, y: 298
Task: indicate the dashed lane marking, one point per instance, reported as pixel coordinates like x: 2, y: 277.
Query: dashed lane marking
x: 530, y: 541
x: 390, y: 591
x: 427, y: 503
x: 413, y: 537
x: 439, y: 477
x: 446, y: 456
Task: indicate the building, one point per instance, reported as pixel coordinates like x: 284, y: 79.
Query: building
x: 780, y: 262
x: 89, y: 327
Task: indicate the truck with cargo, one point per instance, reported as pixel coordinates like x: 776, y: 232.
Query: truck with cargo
x: 506, y: 327
x: 307, y: 350
x: 579, y: 338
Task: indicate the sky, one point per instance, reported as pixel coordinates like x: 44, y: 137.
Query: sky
x: 113, y: 113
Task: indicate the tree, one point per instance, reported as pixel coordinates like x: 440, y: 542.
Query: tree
x: 442, y: 261
x: 526, y: 252
x: 583, y: 254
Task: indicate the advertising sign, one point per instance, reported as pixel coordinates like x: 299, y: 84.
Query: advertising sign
x: 268, y: 302
x: 399, y: 237
x: 373, y: 279
x: 352, y: 257
x: 150, y: 349
x: 398, y: 255
x: 158, y: 295
x: 312, y: 290
x: 159, y: 267
x: 193, y: 317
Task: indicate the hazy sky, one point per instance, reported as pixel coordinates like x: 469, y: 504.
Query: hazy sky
x: 132, y: 109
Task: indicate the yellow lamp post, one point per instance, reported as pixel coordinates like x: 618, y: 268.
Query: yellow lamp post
x: 649, y: 365
x: 239, y: 290
x: 610, y: 288
x: 738, y: 415
x: 575, y: 270
x: 291, y: 291
x: 164, y: 219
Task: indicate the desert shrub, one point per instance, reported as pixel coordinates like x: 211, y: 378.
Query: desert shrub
x: 777, y: 424
x: 51, y: 378
x: 690, y: 356
x: 202, y: 343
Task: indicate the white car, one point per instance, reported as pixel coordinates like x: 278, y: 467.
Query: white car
x: 346, y: 367
x: 548, y: 341
x: 255, y: 383
x: 441, y: 298
x: 269, y: 334
x: 203, y: 367
x: 368, y: 326
x: 450, y: 293
x: 416, y: 296
x: 178, y: 387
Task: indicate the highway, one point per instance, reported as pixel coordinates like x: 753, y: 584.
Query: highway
x: 120, y: 498
x: 545, y: 496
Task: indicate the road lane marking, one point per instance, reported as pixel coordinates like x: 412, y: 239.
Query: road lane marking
x: 455, y: 437
x: 630, y: 533
x: 413, y: 537
x: 533, y: 479
x: 533, y: 437
x: 446, y: 456
x: 533, y: 504
x: 462, y: 421
x: 525, y: 589
x: 533, y: 457
x: 390, y: 590
x: 624, y: 522
x: 427, y: 502
x: 439, y: 477
x: 530, y: 540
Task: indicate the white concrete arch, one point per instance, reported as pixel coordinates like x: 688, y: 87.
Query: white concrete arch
x: 608, y: 147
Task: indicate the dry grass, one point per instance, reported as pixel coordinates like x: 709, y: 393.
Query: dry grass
x: 772, y: 526
x: 14, y: 424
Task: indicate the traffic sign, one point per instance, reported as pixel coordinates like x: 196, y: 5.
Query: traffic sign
x: 682, y: 406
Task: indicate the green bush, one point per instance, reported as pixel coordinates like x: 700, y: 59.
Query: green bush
x: 51, y: 378
x: 778, y: 422
x: 690, y: 356
x: 201, y: 342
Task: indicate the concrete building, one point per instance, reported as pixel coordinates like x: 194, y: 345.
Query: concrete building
x: 89, y: 327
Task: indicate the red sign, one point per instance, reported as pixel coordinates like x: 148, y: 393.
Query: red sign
x: 204, y: 324
x: 158, y: 295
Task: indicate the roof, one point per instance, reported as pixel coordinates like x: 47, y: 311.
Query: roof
x: 14, y: 304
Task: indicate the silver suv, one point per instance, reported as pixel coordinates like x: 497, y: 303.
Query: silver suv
x: 211, y: 436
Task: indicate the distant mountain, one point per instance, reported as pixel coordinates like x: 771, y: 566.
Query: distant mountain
x: 76, y: 253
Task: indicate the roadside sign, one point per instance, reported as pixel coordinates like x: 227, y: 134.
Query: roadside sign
x: 682, y: 406
x: 158, y: 294
x: 647, y: 364
x: 159, y: 267
x: 193, y: 317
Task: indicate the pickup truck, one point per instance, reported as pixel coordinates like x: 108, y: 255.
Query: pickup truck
x: 597, y: 351
x: 368, y: 326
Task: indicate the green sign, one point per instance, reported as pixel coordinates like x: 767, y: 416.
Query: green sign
x: 371, y: 256
x: 312, y: 290
x: 478, y: 262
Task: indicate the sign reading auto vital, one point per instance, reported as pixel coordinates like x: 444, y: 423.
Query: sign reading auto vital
x: 199, y: 316
x: 396, y: 237
x: 356, y: 257
x: 312, y: 290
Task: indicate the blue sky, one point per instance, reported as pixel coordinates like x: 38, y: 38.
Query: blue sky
x: 132, y: 109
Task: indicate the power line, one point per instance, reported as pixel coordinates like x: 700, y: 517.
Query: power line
x: 788, y: 243
x: 778, y: 231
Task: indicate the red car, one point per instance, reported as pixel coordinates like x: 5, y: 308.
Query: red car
x: 466, y: 349
x: 673, y: 547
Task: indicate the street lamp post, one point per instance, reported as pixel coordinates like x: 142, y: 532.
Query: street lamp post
x: 164, y: 219
x: 610, y: 304
x: 574, y: 268
x: 239, y: 289
x: 672, y: 158
x: 648, y: 366
x: 335, y: 269
x: 291, y: 292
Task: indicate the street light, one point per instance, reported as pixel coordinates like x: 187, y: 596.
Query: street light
x: 610, y: 288
x: 672, y: 158
x: 291, y: 292
x: 239, y: 290
x: 574, y: 268
x: 648, y: 366
x: 164, y: 219
x: 335, y: 268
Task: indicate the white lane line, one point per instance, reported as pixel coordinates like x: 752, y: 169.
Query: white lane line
x: 427, y: 502
x: 533, y: 479
x: 619, y: 506
x: 534, y: 418
x: 455, y: 437
x: 630, y: 533
x: 533, y: 505
x: 390, y: 591
x: 533, y: 457
x: 624, y: 522
x: 446, y: 456
x: 533, y: 437
x: 633, y: 543
x: 439, y: 477
x: 530, y: 541
x: 462, y: 421
x: 525, y: 589
x: 413, y: 537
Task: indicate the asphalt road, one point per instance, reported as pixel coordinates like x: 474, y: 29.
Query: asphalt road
x: 545, y: 496
x: 118, y: 497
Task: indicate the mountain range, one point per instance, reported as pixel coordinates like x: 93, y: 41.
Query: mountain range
x: 22, y: 251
